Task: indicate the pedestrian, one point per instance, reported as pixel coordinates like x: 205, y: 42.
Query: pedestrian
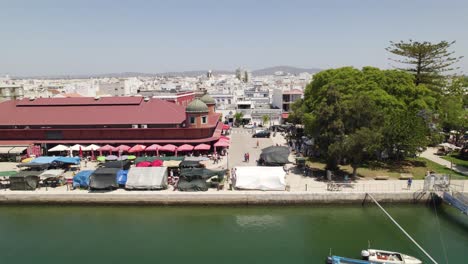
x: 245, y: 157
x: 258, y: 143
x: 86, y: 163
x: 248, y: 157
x: 410, y: 181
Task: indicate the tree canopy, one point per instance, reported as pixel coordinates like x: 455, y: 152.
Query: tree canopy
x: 357, y: 115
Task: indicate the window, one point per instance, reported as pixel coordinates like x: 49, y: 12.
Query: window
x: 204, y: 120
x: 192, y: 120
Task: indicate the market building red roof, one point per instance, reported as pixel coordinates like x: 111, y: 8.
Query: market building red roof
x: 81, y: 111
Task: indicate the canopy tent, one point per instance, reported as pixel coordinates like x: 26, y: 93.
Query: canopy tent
x: 131, y: 157
x: 59, y: 148
x: 92, y: 147
x: 7, y: 173
x: 17, y: 150
x: 274, y: 156
x: 51, y: 174
x: 124, y: 165
x: 68, y: 160
x: 202, y: 147
x: 77, y: 147
x: 104, y: 178
x: 151, y: 178
x: 101, y: 158
x: 81, y: 179
x: 32, y: 165
x: 193, y: 158
x: 201, y: 173
x: 169, y: 148
x: 190, y: 164
x: 122, y: 177
x: 260, y: 178
x: 196, y: 185
x: 222, y: 143
x: 44, y: 159
x: 137, y: 148
x: 144, y: 164
x: 124, y: 148
x: 25, y: 180
x: 171, y: 163
x: 185, y: 147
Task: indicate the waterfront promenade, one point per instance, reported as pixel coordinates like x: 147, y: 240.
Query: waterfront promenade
x: 300, y: 189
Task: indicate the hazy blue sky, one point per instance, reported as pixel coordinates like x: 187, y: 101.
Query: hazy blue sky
x: 81, y: 37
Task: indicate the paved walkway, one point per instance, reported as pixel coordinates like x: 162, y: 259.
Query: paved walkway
x: 430, y: 154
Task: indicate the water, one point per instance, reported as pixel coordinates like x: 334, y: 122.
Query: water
x: 48, y: 235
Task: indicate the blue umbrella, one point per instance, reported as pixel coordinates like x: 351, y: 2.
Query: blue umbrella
x: 112, y: 157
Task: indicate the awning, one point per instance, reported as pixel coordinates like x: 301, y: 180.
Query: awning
x: 17, y: 150
x: 5, y: 150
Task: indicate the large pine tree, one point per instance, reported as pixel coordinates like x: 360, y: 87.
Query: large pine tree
x: 428, y: 62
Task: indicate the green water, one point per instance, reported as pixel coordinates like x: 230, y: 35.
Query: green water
x: 48, y: 235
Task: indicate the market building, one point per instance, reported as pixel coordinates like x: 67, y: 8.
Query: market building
x: 107, y: 120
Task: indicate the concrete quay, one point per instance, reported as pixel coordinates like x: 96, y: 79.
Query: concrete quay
x: 207, y: 198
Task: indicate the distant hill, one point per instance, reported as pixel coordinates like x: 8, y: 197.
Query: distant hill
x: 285, y: 69
x: 259, y: 72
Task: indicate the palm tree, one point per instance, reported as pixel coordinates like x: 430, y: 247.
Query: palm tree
x: 238, y: 117
x: 265, y: 119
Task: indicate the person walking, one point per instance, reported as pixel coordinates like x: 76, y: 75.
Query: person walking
x: 410, y: 181
x: 258, y: 143
x: 248, y: 157
x: 245, y: 157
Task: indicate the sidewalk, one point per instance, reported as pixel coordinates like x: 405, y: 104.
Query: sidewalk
x: 429, y: 154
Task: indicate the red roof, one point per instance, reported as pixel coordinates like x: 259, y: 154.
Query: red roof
x: 89, y: 111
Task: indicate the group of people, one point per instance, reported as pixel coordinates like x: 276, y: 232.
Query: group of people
x: 246, y: 157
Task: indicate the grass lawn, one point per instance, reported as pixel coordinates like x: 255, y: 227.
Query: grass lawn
x: 455, y: 160
x: 415, y: 166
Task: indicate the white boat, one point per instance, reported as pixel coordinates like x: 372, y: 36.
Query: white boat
x: 388, y: 257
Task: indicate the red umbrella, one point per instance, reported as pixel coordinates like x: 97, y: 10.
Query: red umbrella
x: 185, y: 147
x: 221, y: 143
x: 226, y: 127
x: 144, y: 164
x: 123, y: 148
x: 92, y: 155
x: 154, y: 147
x: 81, y: 153
x: 157, y: 163
x: 106, y: 148
x: 169, y: 148
x: 202, y: 147
x: 137, y: 148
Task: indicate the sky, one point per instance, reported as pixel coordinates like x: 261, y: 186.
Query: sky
x: 93, y: 37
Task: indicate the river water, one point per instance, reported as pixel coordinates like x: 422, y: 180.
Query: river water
x: 286, y: 235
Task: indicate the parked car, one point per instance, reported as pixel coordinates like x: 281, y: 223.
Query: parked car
x: 262, y: 134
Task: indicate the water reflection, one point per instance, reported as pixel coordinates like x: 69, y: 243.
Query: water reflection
x: 260, y: 221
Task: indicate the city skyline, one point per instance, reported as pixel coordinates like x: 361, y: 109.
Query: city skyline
x: 79, y: 38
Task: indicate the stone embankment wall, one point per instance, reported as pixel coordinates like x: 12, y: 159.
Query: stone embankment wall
x: 208, y: 198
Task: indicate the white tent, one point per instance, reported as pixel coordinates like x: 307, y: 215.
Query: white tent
x: 59, y: 148
x: 147, y: 178
x: 77, y: 147
x: 260, y: 178
x: 91, y: 147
